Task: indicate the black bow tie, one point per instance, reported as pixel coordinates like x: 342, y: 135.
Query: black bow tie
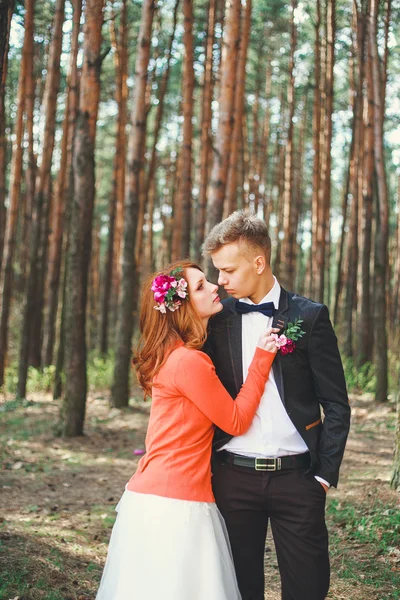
x: 266, y: 309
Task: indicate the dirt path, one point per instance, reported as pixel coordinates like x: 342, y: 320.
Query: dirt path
x: 58, y: 499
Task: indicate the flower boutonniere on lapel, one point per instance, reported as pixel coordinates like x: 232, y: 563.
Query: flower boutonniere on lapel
x: 286, y: 341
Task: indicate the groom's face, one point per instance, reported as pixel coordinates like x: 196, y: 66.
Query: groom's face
x: 237, y: 269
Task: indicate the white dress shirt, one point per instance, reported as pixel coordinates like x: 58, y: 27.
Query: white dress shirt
x: 271, y: 433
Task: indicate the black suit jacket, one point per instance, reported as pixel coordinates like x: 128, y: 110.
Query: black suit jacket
x: 309, y: 378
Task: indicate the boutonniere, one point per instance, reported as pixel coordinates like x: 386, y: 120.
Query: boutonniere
x: 286, y: 341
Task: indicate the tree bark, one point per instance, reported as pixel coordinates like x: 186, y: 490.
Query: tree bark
x: 395, y: 481
x: 73, y: 412
x: 94, y: 289
x: 185, y: 196
x: 234, y: 166
x: 6, y: 7
x: 30, y: 344
x: 27, y: 203
x: 396, y: 268
x: 150, y: 186
x: 365, y: 320
x: 317, y: 150
x: 206, y: 134
x: 6, y: 283
x: 350, y: 299
x: 219, y: 173
x: 289, y: 239
x: 6, y: 12
x: 129, y: 292
x: 382, y: 232
x: 61, y: 192
x: 111, y: 263
x: 324, y: 192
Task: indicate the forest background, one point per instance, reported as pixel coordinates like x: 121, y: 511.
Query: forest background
x: 129, y: 128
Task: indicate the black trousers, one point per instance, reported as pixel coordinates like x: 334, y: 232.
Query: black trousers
x: 294, y: 502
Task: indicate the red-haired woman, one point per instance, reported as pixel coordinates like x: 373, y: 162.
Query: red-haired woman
x: 169, y: 541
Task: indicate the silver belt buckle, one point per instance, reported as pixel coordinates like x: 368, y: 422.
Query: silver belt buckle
x: 270, y: 464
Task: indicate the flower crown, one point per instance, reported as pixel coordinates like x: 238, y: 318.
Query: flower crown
x: 169, y: 290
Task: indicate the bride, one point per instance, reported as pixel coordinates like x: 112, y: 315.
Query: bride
x: 169, y: 541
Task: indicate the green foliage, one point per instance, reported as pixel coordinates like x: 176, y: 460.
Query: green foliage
x: 394, y: 372
x: 38, y: 380
x: 359, y: 379
x: 369, y: 533
x: 100, y: 371
x: 294, y: 331
x: 11, y: 379
x: 376, y: 524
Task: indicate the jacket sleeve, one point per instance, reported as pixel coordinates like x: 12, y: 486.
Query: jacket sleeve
x: 330, y: 388
x: 197, y: 380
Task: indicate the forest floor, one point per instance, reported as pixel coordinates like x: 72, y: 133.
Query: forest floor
x: 58, y: 498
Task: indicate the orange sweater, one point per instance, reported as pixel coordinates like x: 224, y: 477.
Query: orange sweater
x: 188, y: 398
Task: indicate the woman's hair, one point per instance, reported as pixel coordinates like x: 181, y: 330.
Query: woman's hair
x: 161, y: 331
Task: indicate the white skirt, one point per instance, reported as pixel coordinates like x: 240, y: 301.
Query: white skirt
x: 167, y: 549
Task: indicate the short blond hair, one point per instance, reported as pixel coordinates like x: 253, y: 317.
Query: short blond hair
x: 241, y: 226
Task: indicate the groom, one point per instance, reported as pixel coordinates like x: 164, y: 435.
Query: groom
x: 280, y: 470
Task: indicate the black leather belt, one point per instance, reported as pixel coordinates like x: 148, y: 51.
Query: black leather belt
x: 293, y: 461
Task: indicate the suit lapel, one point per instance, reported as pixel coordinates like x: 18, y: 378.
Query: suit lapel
x: 280, y: 320
x: 234, y: 330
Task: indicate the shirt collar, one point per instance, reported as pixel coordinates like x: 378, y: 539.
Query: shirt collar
x: 272, y: 296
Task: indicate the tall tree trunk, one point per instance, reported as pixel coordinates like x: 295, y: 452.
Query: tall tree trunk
x: 382, y: 232
x: 289, y: 239
x: 185, y: 197
x: 150, y: 186
x: 350, y: 300
x: 395, y: 481
x: 297, y: 214
x: 234, y: 163
x: 73, y: 413
x: 69, y: 193
x: 31, y: 171
x: 324, y: 193
x: 254, y: 147
x: 219, y: 173
x: 396, y: 268
x: 264, y: 151
x: 6, y: 12
x: 6, y: 7
x: 364, y: 320
x: 32, y: 319
x: 341, y: 243
x: 205, y: 147
x: 317, y: 150
x: 6, y: 282
x: 61, y: 191
x: 121, y: 179
x: 111, y: 263
x: 176, y: 208
x: 129, y: 292
x: 94, y: 289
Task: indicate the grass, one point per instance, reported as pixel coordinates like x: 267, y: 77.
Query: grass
x: 58, y: 503
x: 364, y: 544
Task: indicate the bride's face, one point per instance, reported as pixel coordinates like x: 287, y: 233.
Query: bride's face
x: 202, y: 293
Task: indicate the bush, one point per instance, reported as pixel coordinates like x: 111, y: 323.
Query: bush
x: 100, y: 371
x: 40, y: 381
x: 359, y: 379
x: 10, y: 379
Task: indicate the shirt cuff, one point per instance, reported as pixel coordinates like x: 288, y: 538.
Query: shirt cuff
x: 322, y: 480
